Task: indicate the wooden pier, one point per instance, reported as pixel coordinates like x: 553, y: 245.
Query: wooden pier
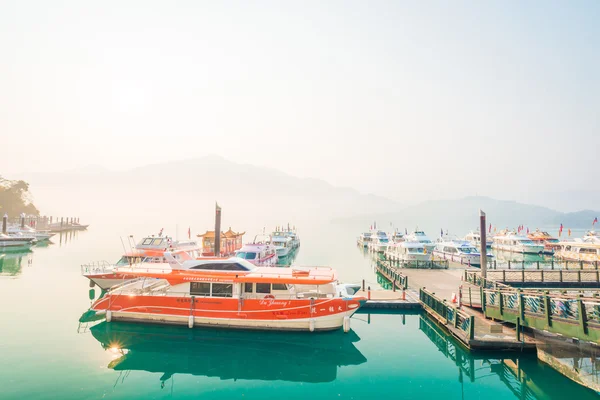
x: 44, y: 223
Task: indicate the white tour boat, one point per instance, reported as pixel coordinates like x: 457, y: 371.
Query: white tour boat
x: 587, y: 252
x: 260, y: 252
x: 364, y: 239
x: 419, y: 236
x: 283, y: 243
x: 458, y: 251
x: 407, y: 252
x: 379, y: 242
x: 474, y: 238
x: 510, y: 241
x: 7, y: 241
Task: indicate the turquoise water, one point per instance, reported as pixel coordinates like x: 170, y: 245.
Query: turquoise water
x: 46, y: 354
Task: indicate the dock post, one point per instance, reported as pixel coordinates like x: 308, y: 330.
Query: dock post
x: 508, y: 264
x: 217, y: 230
x: 61, y: 222
x: 548, y: 310
x: 538, y: 264
x: 363, y: 285
x: 582, y: 316
x: 369, y: 294
x: 4, y: 223
x: 394, y: 285
x: 472, y: 325
x: 23, y: 221
x: 518, y: 329
x: 483, y: 246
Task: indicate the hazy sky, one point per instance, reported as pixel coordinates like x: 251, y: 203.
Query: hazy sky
x: 384, y: 96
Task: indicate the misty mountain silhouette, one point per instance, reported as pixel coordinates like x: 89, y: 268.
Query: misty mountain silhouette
x: 459, y: 215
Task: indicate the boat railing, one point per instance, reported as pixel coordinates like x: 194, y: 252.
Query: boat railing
x: 97, y: 267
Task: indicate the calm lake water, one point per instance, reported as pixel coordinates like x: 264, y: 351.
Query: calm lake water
x: 46, y: 354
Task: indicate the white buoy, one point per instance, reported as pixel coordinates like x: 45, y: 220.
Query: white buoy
x: 191, y: 321
x: 346, y: 324
x: 311, y: 325
x: 108, y: 316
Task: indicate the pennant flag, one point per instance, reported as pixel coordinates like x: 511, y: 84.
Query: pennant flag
x: 560, y: 230
x: 189, y: 232
x: 161, y: 231
x: 441, y: 232
x: 595, y: 221
x: 528, y: 230
x: 490, y: 229
x: 405, y: 231
x: 569, y: 232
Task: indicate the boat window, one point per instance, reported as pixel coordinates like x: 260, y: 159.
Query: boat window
x: 590, y: 251
x: 147, y: 241
x: 222, y: 290
x: 246, y: 255
x: 221, y: 267
x: 263, y: 288
x: 200, y: 288
x: 123, y: 261
x: 248, y: 287
x: 157, y: 242
x: 279, y: 286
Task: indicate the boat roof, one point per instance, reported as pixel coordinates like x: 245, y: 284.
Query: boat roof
x: 311, y: 276
x: 592, y: 245
x: 228, y: 234
x: 253, y: 247
x: 409, y: 244
x: 512, y: 236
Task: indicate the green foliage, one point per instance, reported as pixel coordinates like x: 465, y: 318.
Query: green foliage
x: 15, y: 198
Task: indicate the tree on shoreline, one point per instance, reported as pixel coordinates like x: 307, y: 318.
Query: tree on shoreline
x: 15, y: 198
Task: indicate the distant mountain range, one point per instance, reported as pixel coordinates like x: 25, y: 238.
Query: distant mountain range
x: 460, y: 215
x: 187, y: 190
x: 184, y: 189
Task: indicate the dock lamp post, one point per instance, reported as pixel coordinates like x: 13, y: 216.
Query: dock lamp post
x: 483, y: 244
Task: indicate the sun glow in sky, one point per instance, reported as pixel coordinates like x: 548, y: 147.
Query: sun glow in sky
x: 356, y: 93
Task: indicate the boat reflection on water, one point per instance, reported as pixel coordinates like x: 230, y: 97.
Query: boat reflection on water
x: 503, y: 257
x: 252, y: 355
x: 523, y: 374
x: 11, y: 261
x: 287, y: 260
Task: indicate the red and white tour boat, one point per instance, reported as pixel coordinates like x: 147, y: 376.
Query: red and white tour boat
x: 147, y: 254
x: 234, y: 293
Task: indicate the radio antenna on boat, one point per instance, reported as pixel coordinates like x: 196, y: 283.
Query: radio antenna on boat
x: 124, y: 249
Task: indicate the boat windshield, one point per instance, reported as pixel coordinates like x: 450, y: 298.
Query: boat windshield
x: 383, y: 240
x: 246, y: 255
x: 552, y: 241
x: 526, y: 241
x: 468, y: 250
x: 415, y: 250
